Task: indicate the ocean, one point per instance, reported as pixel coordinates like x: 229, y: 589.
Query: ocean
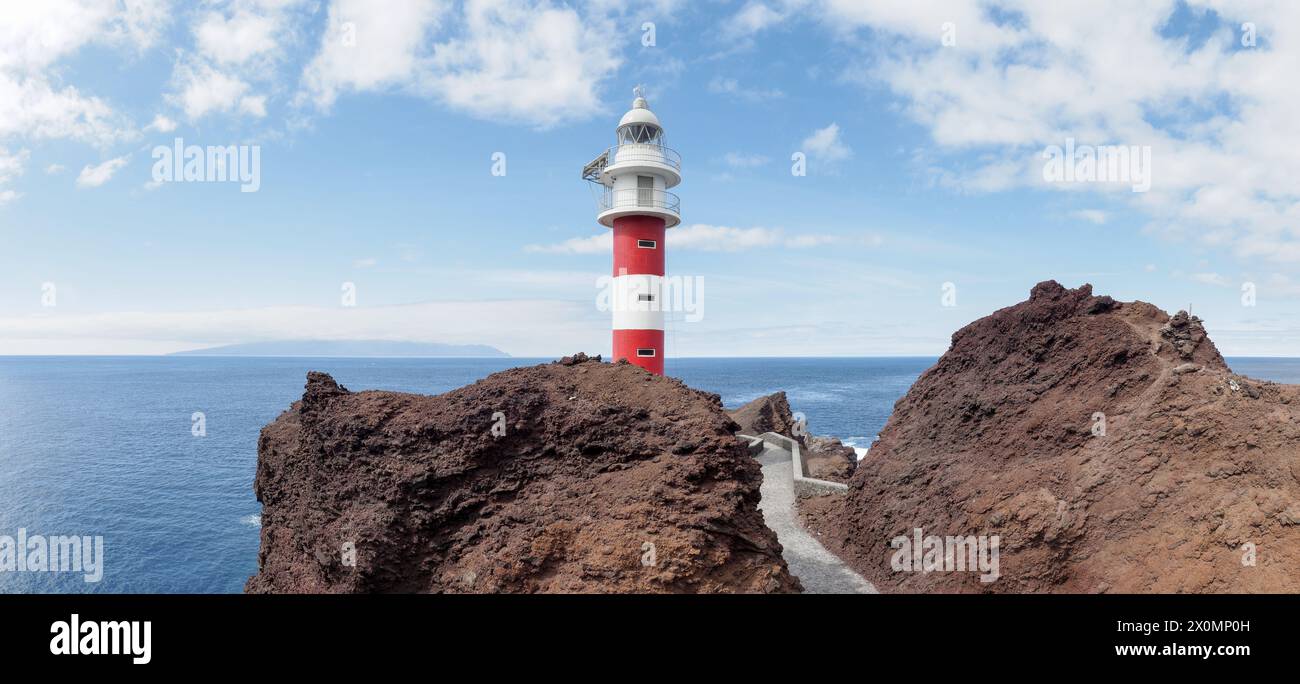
x: 104, y: 446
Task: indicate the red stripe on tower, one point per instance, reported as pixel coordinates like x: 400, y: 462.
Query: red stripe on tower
x: 635, y: 175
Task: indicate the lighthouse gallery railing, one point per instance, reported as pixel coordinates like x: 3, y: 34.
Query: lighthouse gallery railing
x: 636, y: 198
x: 632, y: 153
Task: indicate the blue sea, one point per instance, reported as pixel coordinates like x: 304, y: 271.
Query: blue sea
x: 102, y: 446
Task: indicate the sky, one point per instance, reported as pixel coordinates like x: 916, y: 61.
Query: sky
x: 419, y: 169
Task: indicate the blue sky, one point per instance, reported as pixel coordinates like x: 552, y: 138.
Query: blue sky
x: 923, y: 125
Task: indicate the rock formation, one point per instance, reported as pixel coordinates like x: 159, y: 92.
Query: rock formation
x: 826, y: 458
x: 766, y: 414
x: 574, y: 476
x: 1107, y: 444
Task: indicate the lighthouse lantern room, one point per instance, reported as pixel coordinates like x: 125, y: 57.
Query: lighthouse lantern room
x: 634, y: 177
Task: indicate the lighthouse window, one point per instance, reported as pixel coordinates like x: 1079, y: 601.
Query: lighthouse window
x: 646, y: 244
x: 645, y: 298
x: 645, y: 352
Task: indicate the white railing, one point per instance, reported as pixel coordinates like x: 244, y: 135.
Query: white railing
x: 640, y: 199
x: 632, y: 153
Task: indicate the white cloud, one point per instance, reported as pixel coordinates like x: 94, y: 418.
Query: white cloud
x: 237, y: 38
x: 11, y: 166
x: 1096, y: 216
x: 34, y: 36
x: 528, y: 61
x: 801, y: 241
x: 95, y: 176
x: 1211, y: 279
x: 30, y: 107
x: 740, y: 160
x: 521, y: 327
x: 826, y: 144
x: 730, y: 86
x: 707, y: 238
x: 203, y: 90
x: 162, y: 124
x: 238, y: 49
x: 367, y: 47
x: 53, y: 169
x: 755, y: 17
x: 1113, y: 74
x: 368, y: 262
x: 600, y: 243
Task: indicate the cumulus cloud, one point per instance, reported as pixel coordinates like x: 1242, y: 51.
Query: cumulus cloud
x: 202, y: 89
x: 237, y: 37
x: 95, y: 176
x: 239, y: 47
x: 36, y: 35
x: 529, y: 61
x: 826, y: 144
x: 366, y: 47
x: 161, y: 124
x: 1023, y: 76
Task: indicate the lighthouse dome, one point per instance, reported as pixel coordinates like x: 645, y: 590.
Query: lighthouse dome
x: 639, y: 114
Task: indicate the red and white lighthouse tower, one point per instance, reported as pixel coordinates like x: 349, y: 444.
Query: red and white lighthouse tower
x: 634, y: 176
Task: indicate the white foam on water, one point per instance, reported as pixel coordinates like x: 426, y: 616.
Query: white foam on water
x: 254, y: 520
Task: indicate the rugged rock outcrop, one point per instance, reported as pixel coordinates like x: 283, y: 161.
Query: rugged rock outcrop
x: 826, y: 458
x: 1107, y: 444
x: 574, y: 476
x: 766, y: 414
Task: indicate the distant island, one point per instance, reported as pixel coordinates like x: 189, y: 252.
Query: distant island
x: 365, y: 348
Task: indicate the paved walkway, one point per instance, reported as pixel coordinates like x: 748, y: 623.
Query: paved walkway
x: 820, y: 571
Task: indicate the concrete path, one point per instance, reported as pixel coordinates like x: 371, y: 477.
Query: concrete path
x: 820, y: 571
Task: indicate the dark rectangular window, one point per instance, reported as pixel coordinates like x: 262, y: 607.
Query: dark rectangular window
x: 645, y: 352
x: 646, y: 244
x: 645, y: 298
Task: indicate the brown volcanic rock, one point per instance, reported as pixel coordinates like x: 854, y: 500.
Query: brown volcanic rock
x: 766, y: 414
x: 996, y: 438
x: 598, y: 461
x: 826, y: 457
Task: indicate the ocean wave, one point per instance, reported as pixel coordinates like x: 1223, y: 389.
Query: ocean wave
x: 254, y: 520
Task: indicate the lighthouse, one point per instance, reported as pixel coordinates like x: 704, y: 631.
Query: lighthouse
x: 634, y: 177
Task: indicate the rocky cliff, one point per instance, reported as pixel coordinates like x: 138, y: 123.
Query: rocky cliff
x: 1107, y: 444
x: 574, y: 476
